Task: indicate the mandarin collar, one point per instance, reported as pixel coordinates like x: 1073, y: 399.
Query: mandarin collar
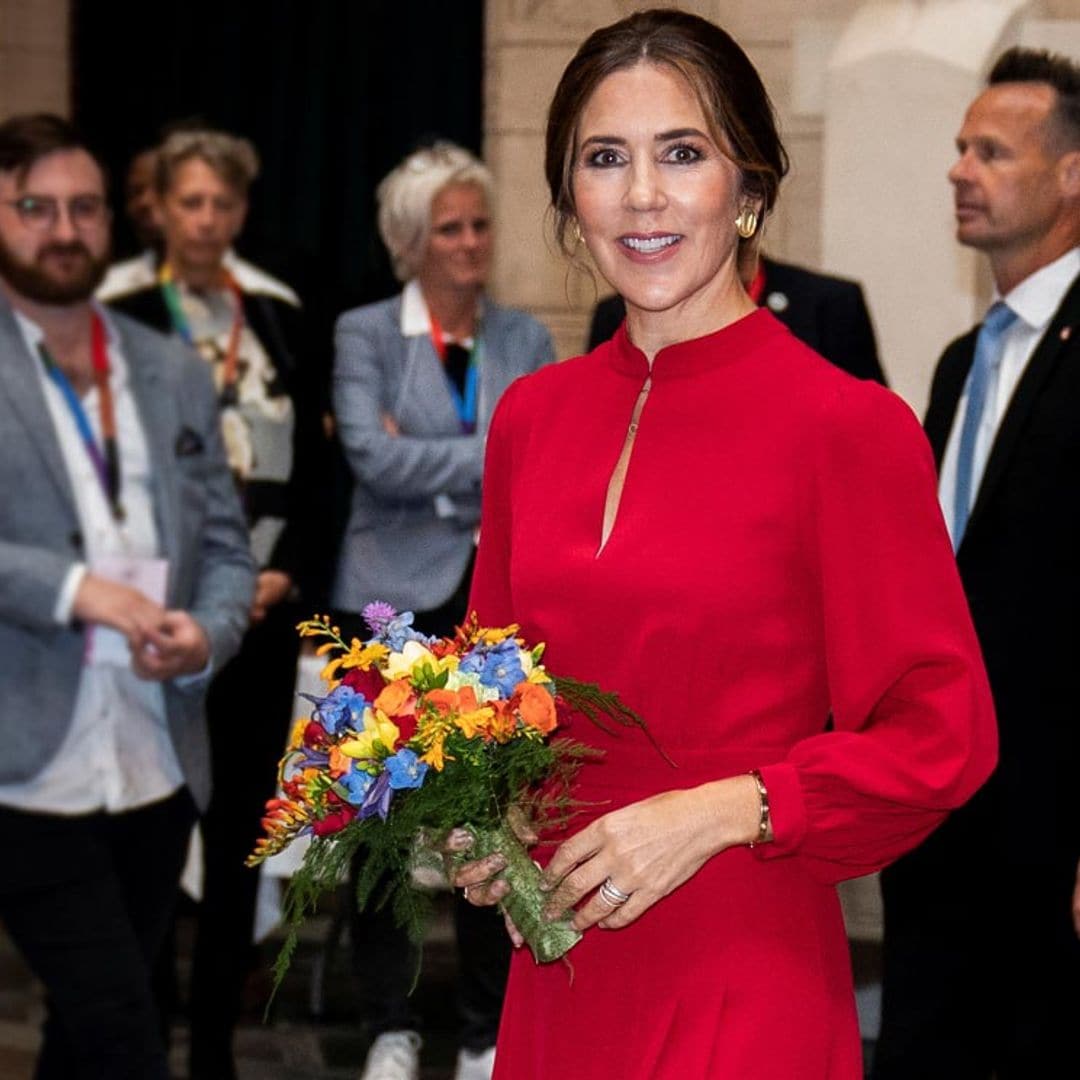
x: 683, y: 358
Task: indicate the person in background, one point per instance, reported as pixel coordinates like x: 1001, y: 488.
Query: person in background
x: 827, y: 313
x: 981, y: 955
x: 416, y: 378
x: 743, y: 542
x: 140, y: 271
x: 125, y: 582
x: 270, y: 422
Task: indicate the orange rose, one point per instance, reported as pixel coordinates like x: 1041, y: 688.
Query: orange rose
x: 536, y: 707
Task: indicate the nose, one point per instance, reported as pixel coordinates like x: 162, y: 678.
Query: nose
x: 64, y: 226
x: 645, y: 191
x: 960, y: 171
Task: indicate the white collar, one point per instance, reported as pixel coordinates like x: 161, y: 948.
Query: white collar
x: 1039, y: 295
x: 33, y: 336
x: 416, y: 317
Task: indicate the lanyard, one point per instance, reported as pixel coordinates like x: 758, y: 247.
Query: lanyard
x: 105, y: 459
x: 465, y: 403
x: 182, y: 326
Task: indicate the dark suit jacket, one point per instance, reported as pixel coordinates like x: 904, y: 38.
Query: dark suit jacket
x: 1020, y: 564
x: 306, y: 546
x: 828, y: 313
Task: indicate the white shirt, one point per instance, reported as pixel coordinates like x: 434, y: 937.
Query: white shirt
x: 140, y: 272
x: 117, y: 754
x: 1035, y: 300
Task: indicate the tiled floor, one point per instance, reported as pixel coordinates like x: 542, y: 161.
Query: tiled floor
x: 295, y: 1043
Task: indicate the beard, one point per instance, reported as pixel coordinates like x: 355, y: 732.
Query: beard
x: 36, y: 282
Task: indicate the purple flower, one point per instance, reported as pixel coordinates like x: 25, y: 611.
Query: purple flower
x: 356, y: 784
x: 390, y: 627
x: 378, y: 615
x: 406, y: 770
x: 378, y: 798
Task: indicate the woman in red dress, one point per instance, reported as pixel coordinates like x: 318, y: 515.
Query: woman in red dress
x: 743, y: 542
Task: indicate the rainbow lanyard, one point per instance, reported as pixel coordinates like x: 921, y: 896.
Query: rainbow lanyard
x: 466, y: 402
x: 106, y: 458
x: 171, y: 294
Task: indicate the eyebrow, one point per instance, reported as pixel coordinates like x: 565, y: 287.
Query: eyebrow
x: 663, y: 136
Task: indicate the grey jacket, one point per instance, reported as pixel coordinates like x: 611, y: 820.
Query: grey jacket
x: 199, y: 521
x: 403, y: 543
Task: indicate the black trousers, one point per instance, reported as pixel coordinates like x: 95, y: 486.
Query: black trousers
x: 384, y: 960
x: 249, y: 708
x: 87, y: 901
x: 981, y: 963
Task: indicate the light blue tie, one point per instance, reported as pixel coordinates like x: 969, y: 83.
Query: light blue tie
x: 981, y: 385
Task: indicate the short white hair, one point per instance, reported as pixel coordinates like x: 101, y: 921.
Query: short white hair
x: 406, y: 194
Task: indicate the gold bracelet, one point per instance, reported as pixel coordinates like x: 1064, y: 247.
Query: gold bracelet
x: 764, y: 831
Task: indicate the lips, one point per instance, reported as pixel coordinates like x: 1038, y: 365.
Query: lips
x: 651, y: 243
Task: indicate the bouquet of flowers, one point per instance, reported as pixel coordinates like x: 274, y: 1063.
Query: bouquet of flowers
x: 418, y: 735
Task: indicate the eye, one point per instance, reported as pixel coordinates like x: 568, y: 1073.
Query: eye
x: 604, y: 158
x: 683, y: 154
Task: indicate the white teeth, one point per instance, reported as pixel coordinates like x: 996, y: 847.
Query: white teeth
x: 653, y: 243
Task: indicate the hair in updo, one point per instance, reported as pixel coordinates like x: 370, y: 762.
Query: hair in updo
x: 728, y: 88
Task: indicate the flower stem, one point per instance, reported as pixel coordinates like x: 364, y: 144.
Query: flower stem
x: 525, y: 903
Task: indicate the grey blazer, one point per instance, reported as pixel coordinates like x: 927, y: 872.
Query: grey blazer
x: 199, y: 521
x: 403, y: 543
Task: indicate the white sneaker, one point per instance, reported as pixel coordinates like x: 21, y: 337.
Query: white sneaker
x: 475, y: 1064
x: 394, y: 1055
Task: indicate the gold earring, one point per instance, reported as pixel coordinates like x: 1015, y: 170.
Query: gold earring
x: 746, y: 223
x: 575, y: 232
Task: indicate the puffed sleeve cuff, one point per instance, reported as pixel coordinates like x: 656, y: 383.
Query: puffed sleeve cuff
x: 65, y: 598
x: 787, y: 809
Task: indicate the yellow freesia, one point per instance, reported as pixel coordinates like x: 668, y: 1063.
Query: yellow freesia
x: 377, y: 727
x: 473, y: 723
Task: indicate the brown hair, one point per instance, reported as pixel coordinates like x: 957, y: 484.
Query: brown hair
x: 232, y: 157
x: 728, y: 88
x: 26, y: 139
x: 1057, y: 71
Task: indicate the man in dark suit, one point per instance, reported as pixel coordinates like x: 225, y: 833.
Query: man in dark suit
x: 828, y: 313
x: 125, y: 581
x: 982, y: 961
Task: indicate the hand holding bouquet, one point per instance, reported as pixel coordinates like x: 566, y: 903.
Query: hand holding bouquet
x: 414, y: 737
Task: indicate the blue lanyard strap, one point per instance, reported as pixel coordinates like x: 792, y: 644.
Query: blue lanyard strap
x: 466, y: 404
x: 106, y: 463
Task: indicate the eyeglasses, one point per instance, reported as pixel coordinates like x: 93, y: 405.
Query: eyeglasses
x: 42, y: 212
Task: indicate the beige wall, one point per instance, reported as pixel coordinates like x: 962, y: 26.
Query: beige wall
x: 34, y: 68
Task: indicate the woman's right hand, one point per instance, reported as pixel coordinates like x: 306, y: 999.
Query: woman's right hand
x: 479, y: 879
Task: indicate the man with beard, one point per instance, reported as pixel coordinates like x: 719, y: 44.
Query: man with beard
x: 125, y: 581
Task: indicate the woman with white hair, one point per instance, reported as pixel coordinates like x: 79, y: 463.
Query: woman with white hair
x: 416, y: 378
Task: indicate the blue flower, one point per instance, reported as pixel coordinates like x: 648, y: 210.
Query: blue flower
x: 406, y: 770
x: 356, y: 783
x: 378, y: 798
x: 498, y: 667
x: 342, y: 708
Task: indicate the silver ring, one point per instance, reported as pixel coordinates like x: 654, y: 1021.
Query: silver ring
x: 465, y: 891
x: 611, y: 894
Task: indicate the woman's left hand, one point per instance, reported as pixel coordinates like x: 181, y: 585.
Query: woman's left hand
x: 648, y: 849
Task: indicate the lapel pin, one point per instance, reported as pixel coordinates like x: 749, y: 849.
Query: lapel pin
x: 1066, y: 333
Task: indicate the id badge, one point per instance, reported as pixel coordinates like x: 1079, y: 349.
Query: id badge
x: 146, y: 575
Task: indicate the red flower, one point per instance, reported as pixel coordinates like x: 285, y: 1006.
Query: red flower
x: 369, y: 683
x: 340, y: 814
x: 314, y: 734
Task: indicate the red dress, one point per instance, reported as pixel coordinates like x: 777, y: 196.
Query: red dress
x: 778, y: 592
